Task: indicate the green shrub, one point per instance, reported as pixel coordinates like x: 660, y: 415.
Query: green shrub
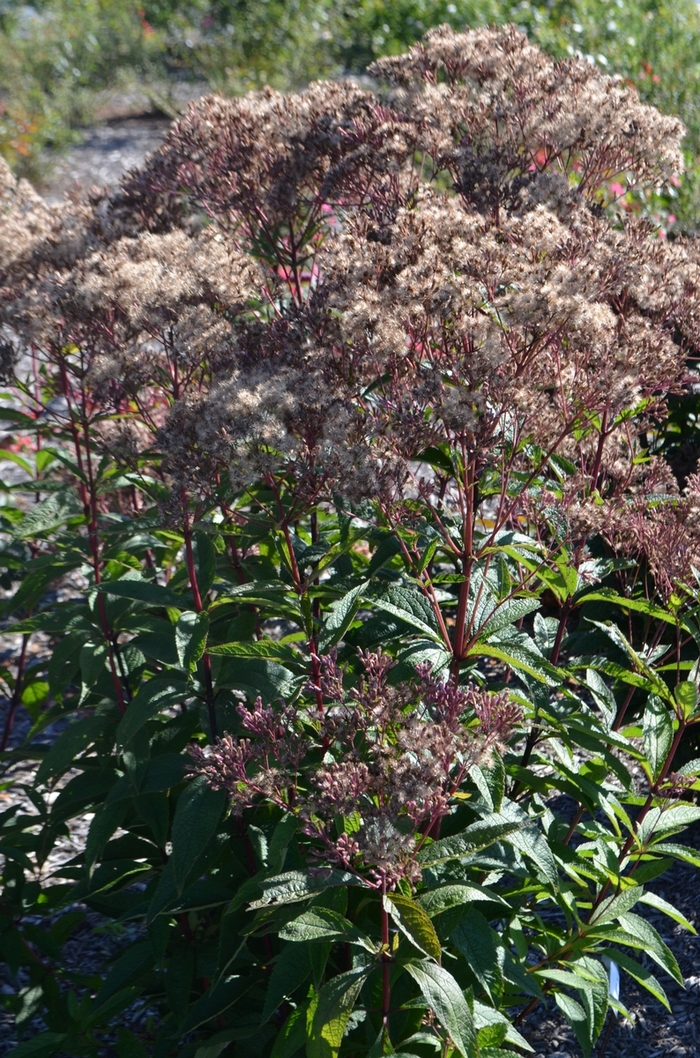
x: 365, y: 594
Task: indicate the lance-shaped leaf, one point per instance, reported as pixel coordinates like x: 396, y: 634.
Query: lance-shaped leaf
x: 414, y: 923
x: 292, y: 886
x: 475, y: 939
x: 191, y: 633
x: 658, y: 734
x: 476, y: 837
x: 331, y: 1014
x: 322, y: 924
x: 445, y: 998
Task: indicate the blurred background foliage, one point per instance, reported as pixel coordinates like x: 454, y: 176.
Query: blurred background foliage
x: 60, y: 57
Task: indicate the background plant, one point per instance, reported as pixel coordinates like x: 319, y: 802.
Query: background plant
x: 59, y: 55
x: 340, y: 439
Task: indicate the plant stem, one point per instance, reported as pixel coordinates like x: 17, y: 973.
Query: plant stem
x: 199, y: 606
x: 386, y: 964
x: 16, y: 694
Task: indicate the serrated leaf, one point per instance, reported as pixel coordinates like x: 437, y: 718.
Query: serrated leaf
x: 292, y: 1035
x: 414, y: 923
x: 642, y: 976
x: 617, y: 905
x: 577, y: 1019
x: 262, y: 648
x: 445, y: 998
x: 474, y: 938
x: 654, y: 900
x: 410, y: 606
x: 334, y: 1006
x: 485, y: 1015
x: 137, y: 960
x: 341, y: 615
x: 69, y: 744
x: 654, y: 945
x: 686, y: 694
x: 151, y: 698
x: 658, y: 734
x: 323, y: 924
x: 290, y: 970
x: 604, y: 697
x: 40, y: 1046
x: 435, y: 901
x: 531, y: 843
x: 191, y: 633
x: 199, y: 809
x: 139, y: 590
x: 292, y: 886
x: 506, y: 614
x: 50, y: 513
x: 476, y: 837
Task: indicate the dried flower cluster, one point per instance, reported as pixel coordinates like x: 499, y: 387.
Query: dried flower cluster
x: 371, y: 771
x: 319, y: 287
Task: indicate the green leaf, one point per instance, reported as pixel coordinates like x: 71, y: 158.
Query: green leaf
x: 577, y: 1019
x: 191, y: 633
x: 476, y: 837
x: 653, y: 944
x: 292, y: 1035
x: 199, y: 809
x: 485, y: 1016
x: 617, y: 905
x: 531, y: 842
x: 69, y: 745
x: 641, y: 975
x: 435, y: 901
x: 320, y: 923
x: 341, y: 615
x: 658, y: 734
x: 104, y: 822
x: 686, y: 694
x: 136, y: 961
x: 474, y: 938
x: 151, y: 698
x: 147, y: 591
x: 639, y: 605
x: 654, y: 900
x: 410, y: 606
x: 332, y: 1012
x: 603, y: 696
x: 40, y: 1046
x: 292, y: 886
x: 256, y: 676
x: 508, y: 613
x: 51, y: 513
x: 445, y: 998
x: 614, y: 634
x: 518, y: 655
x: 678, y: 852
x: 279, y: 842
x: 290, y: 970
x: 262, y: 648
x: 414, y: 923
x: 92, y: 664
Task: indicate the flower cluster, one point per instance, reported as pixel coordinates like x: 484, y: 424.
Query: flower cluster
x: 369, y: 773
x: 320, y: 287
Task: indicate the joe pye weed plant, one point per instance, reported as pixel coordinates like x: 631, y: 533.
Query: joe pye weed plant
x: 342, y: 503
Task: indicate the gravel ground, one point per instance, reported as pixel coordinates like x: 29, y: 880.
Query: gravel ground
x: 108, y: 151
